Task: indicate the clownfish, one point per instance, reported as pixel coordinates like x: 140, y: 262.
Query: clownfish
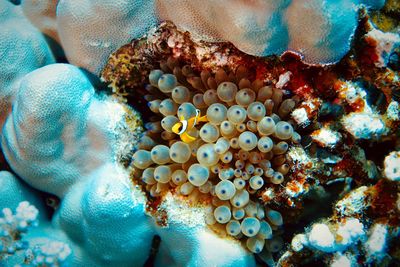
x: 184, y: 126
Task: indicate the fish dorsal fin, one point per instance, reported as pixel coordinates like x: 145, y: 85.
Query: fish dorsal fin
x: 196, y: 117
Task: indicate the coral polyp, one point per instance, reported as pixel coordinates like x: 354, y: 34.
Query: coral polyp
x: 226, y: 157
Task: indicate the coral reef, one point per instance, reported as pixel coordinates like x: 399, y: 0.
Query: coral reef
x: 13, y: 226
x: 89, y: 186
x: 52, y: 98
x: 36, y: 132
x: 200, y: 152
x: 184, y: 224
x: 22, y: 50
x: 90, y: 30
x: 333, y: 109
x: 386, y: 17
x: 357, y: 228
x: 264, y: 28
x: 42, y: 14
x: 28, y: 228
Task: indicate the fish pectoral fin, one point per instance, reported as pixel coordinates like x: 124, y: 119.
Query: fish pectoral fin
x: 185, y: 137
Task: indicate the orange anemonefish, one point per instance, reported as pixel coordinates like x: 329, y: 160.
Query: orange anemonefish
x: 184, y: 126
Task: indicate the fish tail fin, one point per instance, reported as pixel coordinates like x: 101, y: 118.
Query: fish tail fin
x: 203, y: 119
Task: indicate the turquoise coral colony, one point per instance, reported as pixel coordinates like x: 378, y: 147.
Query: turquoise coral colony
x: 239, y: 140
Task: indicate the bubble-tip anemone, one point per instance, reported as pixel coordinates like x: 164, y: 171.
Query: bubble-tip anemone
x: 236, y: 151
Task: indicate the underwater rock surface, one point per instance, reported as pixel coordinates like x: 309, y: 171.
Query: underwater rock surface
x: 215, y: 135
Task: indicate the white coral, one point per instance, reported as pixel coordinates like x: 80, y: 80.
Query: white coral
x: 364, y: 125
x: 376, y: 244
x: 392, y: 166
x: 321, y: 238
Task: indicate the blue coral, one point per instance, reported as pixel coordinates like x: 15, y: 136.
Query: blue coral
x: 319, y: 30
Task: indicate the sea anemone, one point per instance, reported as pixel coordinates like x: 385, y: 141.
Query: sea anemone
x: 235, y: 150
x: 237, y: 163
